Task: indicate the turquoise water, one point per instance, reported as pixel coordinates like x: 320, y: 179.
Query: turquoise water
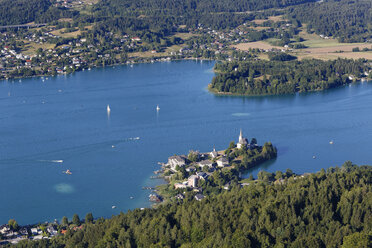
x: 65, y: 118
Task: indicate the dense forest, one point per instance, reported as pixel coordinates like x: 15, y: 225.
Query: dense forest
x: 350, y: 21
x: 13, y: 12
x: 122, y: 15
x: 285, y: 77
x: 327, y: 209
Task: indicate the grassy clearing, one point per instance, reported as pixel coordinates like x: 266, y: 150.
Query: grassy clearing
x: 30, y: 48
x: 256, y: 44
x: 318, y: 48
x: 271, y: 18
x: 61, y: 33
x: 185, y: 36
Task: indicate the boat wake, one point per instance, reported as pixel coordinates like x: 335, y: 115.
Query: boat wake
x: 52, y: 161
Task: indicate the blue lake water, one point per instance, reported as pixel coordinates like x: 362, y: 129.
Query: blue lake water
x: 65, y: 118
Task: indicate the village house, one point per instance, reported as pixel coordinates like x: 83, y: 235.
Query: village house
x: 191, y: 169
x: 180, y: 185
x: 4, y: 229
x: 205, y: 163
x: 222, y: 162
x: 175, y: 161
x: 193, y: 181
x: 202, y: 175
x: 199, y: 197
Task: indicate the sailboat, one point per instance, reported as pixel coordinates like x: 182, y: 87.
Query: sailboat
x: 108, y: 109
x: 157, y: 107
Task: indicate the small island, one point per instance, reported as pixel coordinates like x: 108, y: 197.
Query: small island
x: 201, y: 174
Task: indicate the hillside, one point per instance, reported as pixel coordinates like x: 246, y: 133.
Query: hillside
x: 328, y: 209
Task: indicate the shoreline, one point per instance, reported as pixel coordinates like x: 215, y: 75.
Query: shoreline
x: 158, y: 60
x: 218, y: 93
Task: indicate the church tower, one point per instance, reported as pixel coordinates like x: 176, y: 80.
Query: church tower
x: 243, y: 142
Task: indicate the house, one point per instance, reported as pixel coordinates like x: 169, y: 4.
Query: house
x: 52, y: 230
x: 136, y: 39
x: 199, y: 197
x: 193, y: 181
x: 175, y: 161
x: 28, y: 63
x: 4, y: 229
x: 243, y: 142
x: 23, y: 231
x: 34, y: 231
x: 191, y: 169
x: 205, y: 163
x: 75, y: 61
x: 180, y: 186
x: 202, y: 175
x: 222, y: 162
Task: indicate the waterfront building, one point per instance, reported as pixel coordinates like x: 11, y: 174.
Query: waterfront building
x: 243, y: 142
x: 175, y: 161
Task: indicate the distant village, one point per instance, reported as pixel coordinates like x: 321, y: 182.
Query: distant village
x: 42, y: 50
x: 14, y: 234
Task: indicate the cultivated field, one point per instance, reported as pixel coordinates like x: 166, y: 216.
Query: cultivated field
x: 256, y: 44
x: 317, y: 47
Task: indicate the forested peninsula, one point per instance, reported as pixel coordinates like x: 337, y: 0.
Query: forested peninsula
x: 330, y: 208
x: 281, y: 75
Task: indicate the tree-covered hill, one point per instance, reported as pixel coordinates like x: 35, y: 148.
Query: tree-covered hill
x: 350, y: 21
x: 331, y: 208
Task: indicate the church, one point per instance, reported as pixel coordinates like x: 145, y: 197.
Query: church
x: 243, y: 142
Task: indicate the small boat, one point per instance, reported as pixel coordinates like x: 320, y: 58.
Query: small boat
x: 113, y: 207
x: 89, y: 69
x: 108, y: 109
x: 331, y: 142
x: 113, y: 146
x: 57, y: 161
x: 131, y: 197
x: 68, y: 172
x: 157, y: 107
x: 314, y: 157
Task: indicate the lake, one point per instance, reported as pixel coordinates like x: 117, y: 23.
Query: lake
x: 112, y: 157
